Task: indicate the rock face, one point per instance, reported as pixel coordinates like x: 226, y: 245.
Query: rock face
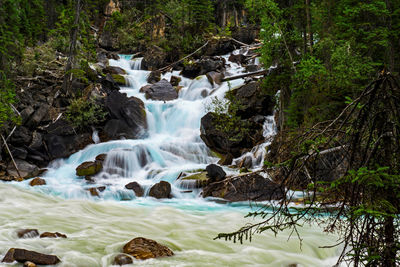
x: 215, y: 173
x: 203, y: 66
x: 89, y: 168
x: 37, y: 181
x: 161, y: 190
x: 142, y: 248
x: 23, y: 255
x: 135, y: 186
x: 224, y: 142
x: 252, y: 101
x: 128, y: 116
x: 162, y: 90
x: 122, y: 259
x: 251, y: 186
x: 27, y: 233
x: 52, y: 235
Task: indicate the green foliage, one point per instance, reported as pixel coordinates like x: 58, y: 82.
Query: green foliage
x: 84, y: 113
x: 7, y: 97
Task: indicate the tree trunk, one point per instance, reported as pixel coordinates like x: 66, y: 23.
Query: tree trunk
x: 72, y: 50
x: 309, y: 32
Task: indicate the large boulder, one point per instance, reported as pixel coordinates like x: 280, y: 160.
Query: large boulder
x: 161, y: 190
x: 154, y: 58
x: 128, y: 116
x: 229, y: 142
x: 161, y: 90
x: 215, y: 173
x: 108, y: 84
x: 21, y: 136
x: 203, y: 66
x: 248, y: 187
x: 252, y: 101
x: 26, y: 169
x: 114, y: 70
x: 142, y: 249
x: 23, y: 255
x: 64, y: 146
x: 89, y: 168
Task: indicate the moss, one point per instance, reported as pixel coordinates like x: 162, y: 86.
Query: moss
x: 202, y: 176
x: 88, y: 168
x: 119, y: 79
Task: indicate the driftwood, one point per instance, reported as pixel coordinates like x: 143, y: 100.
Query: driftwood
x: 169, y: 66
x: 256, y: 73
x: 12, y: 158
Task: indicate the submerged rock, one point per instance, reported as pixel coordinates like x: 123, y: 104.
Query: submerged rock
x: 161, y: 190
x: 135, y: 186
x: 246, y: 187
x: 122, y: 259
x: 142, y: 248
x: 23, y: 255
x: 27, y: 233
x: 161, y: 90
x: 52, y: 235
x: 37, y: 181
x: 89, y: 168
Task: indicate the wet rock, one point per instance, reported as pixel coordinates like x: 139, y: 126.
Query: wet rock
x: 37, y: 181
x: 246, y: 187
x: 122, y: 259
x: 203, y: 66
x: 101, y: 157
x: 27, y: 233
x: 238, y: 58
x: 246, y: 162
x: 23, y: 255
x: 215, y: 173
x: 226, y: 159
x: 215, y: 78
x: 196, y: 180
x: 29, y: 264
x: 231, y: 142
x: 175, y: 80
x: 154, y: 76
x: 161, y: 190
x: 52, y: 235
x: 252, y: 101
x: 154, y: 58
x: 89, y: 168
x: 26, y: 169
x: 114, y: 70
x: 119, y: 79
x: 142, y: 248
x: 162, y: 90
x: 94, y: 191
x: 135, y: 186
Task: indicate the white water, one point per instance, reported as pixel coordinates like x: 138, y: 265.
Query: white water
x: 98, y: 227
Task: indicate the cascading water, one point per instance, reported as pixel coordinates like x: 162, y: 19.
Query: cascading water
x: 187, y: 223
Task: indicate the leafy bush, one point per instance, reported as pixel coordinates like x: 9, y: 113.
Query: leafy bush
x: 83, y: 113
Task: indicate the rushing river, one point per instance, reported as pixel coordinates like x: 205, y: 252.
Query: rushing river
x: 98, y: 228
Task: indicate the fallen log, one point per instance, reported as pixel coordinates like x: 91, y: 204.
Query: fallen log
x: 256, y: 73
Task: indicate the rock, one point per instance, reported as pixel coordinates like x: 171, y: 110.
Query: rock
x: 21, y: 136
x: 142, y: 248
x: 94, y: 191
x: 225, y: 142
x: 145, y: 88
x: 128, y: 116
x: 103, y: 56
x: 238, y: 58
x: 119, y: 79
x: 27, y: 170
x: 139, y: 192
x: 246, y: 162
x: 122, y: 259
x: 108, y: 84
x: 226, y: 159
x: 60, y: 127
x: 154, y: 76
x: 162, y: 90
x: 108, y: 39
x: 215, y: 173
x: 101, y: 157
x: 18, y: 152
x: 246, y: 187
x: 252, y: 101
x: 52, y: 235
x: 196, y: 180
x: 203, y: 66
x: 23, y: 255
x: 89, y: 168
x: 26, y: 113
x: 252, y: 68
x: 114, y: 70
x: 38, y: 116
x: 64, y: 146
x: 37, y: 181
x: 154, y: 58
x: 27, y: 233
x: 214, y: 77
x: 245, y: 34
x: 175, y: 80
x: 219, y: 46
x: 161, y: 190
x: 29, y: 264
x: 37, y: 140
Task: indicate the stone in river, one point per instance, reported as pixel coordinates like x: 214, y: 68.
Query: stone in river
x: 23, y: 255
x: 27, y: 233
x: 122, y: 259
x: 161, y: 190
x: 142, y: 248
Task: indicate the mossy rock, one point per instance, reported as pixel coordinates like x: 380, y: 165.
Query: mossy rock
x: 202, y: 176
x: 119, y: 79
x: 89, y: 168
x: 199, y: 179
